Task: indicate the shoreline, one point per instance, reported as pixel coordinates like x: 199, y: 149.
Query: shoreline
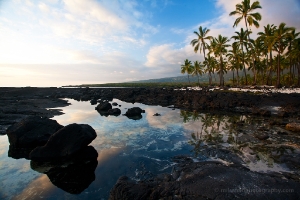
x: 18, y: 103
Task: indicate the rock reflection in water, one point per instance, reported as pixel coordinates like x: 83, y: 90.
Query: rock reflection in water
x: 73, y: 175
x: 253, y: 139
x: 137, y: 117
x: 18, y: 152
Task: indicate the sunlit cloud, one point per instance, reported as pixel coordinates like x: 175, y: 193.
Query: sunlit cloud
x: 94, y: 38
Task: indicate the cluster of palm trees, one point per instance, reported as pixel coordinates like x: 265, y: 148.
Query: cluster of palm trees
x: 273, y: 57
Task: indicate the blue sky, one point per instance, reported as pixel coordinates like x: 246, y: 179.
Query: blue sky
x: 62, y: 42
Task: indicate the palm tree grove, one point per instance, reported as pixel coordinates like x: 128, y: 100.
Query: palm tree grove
x: 271, y: 57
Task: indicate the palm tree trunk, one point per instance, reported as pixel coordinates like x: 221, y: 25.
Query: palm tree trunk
x: 232, y: 77
x: 198, y: 79
x: 244, y: 65
x: 290, y: 76
x: 221, y: 71
x: 270, y: 71
x: 210, y: 78
x: 298, y: 74
x: 238, y: 77
x: 278, y: 69
x: 189, y: 78
x: 294, y: 66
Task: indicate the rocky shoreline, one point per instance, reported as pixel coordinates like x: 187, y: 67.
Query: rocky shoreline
x: 187, y: 178
x: 18, y: 103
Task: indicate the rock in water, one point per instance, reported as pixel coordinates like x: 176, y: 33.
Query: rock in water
x: 295, y: 127
x: 64, y: 143
x: 114, y: 111
x: 135, y: 111
x: 31, y: 132
x: 104, y: 106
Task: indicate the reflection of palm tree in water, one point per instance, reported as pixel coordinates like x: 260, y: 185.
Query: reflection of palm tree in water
x: 211, y: 127
x: 185, y: 115
x: 215, y: 127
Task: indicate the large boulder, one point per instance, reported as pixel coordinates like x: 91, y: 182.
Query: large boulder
x: 64, y: 143
x: 135, y: 111
x: 103, y: 106
x: 31, y: 132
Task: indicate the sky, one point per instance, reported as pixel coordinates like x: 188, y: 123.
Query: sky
x: 70, y: 42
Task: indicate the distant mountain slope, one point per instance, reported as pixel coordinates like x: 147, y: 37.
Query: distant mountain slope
x: 184, y: 79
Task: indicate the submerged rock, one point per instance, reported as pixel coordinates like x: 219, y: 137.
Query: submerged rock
x: 31, y: 132
x: 73, y: 175
x: 64, y: 143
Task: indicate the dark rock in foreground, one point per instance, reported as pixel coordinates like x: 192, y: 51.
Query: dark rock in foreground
x: 32, y: 132
x: 19, y: 152
x: 73, y: 175
x: 208, y: 180
x: 64, y: 143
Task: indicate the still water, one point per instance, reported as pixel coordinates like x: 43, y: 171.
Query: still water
x: 143, y: 148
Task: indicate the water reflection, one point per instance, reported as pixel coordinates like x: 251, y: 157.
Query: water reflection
x: 142, y: 148
x: 252, y: 139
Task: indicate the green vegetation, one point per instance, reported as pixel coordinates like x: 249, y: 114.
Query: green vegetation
x: 255, y: 55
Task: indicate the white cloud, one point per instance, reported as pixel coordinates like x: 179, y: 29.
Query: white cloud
x: 43, y: 7
x: 165, y: 60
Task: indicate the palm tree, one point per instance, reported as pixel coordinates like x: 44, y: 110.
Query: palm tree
x: 296, y: 53
x: 242, y: 42
x: 245, y: 10
x: 279, y: 41
x: 290, y: 42
x: 255, y: 53
x: 199, y: 42
x: 218, y: 47
x: 234, y: 57
x: 197, y: 70
x: 210, y: 63
x: 268, y: 32
x: 187, y: 68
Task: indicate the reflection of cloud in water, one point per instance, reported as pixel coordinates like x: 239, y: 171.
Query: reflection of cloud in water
x: 76, y: 116
x: 168, y: 117
x: 193, y: 126
x: 105, y: 154
x: 39, y: 187
x: 3, y: 145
